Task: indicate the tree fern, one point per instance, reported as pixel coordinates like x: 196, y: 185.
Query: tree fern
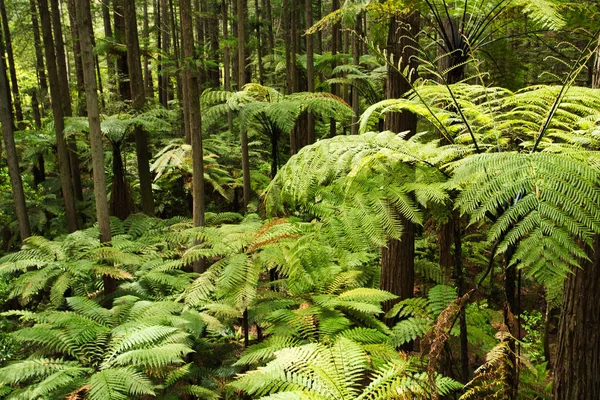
x: 118, y: 353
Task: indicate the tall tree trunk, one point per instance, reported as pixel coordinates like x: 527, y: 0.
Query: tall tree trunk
x: 176, y: 52
x: 269, y: 19
x: 81, y: 102
x: 356, y: 52
x: 58, y: 114
x: 38, y: 168
x: 192, y: 97
x: 226, y: 58
x: 212, y: 27
x: 108, y: 34
x: 397, y: 259
x: 121, y: 55
x: 241, y: 81
x: 93, y: 112
x: 165, y: 28
x: 12, y: 159
x: 577, y: 371
x: 11, y: 63
x: 39, y: 57
x: 146, y: 42
x: 260, y: 44
x: 310, y: 71
x: 335, y: 36
x: 65, y: 95
x: 138, y: 99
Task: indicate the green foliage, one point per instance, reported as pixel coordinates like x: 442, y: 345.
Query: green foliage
x: 115, y: 353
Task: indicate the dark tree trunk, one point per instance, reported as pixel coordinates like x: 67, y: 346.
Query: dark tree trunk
x: 577, y: 371
x: 121, y: 54
x: 93, y: 112
x: 138, y: 99
x: 11, y: 64
x: 241, y: 6
x: 335, y: 36
x: 165, y: 29
x: 121, y: 205
x: 397, y: 259
x: 58, y: 114
x: 195, y: 120
x: 65, y: 96
x: 146, y: 39
x: 108, y: 34
x: 310, y: 71
x: 212, y: 24
x: 269, y: 18
x: 39, y: 168
x: 226, y: 58
x: 81, y: 106
x: 260, y: 44
x: 356, y: 53
x: 39, y: 57
x: 12, y: 159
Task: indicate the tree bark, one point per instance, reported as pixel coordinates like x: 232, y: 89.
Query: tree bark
x: 310, y: 71
x: 577, y: 371
x: 11, y: 63
x: 138, y: 100
x: 12, y: 159
x: 121, y: 55
x: 193, y: 99
x: 65, y: 96
x: 397, y: 259
x: 356, y: 52
x: 39, y: 57
x: 58, y: 114
x: 81, y: 102
x: 241, y: 81
x: 108, y: 34
x: 335, y: 36
x: 93, y: 112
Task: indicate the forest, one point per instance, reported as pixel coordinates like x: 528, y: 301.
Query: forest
x: 287, y: 199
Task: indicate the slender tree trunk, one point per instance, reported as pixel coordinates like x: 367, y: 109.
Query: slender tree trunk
x: 226, y: 58
x: 93, y: 112
x: 108, y: 34
x: 241, y: 82
x: 269, y: 18
x: 166, y: 48
x: 12, y: 159
x: 260, y: 44
x: 335, y: 89
x: 310, y: 71
x: 39, y: 57
x: 356, y: 52
x: 65, y: 96
x: 58, y: 114
x: 11, y: 63
x: 146, y: 41
x: 397, y: 259
x: 213, y: 70
x: 138, y: 99
x: 121, y: 55
x: 81, y: 102
x: 192, y: 97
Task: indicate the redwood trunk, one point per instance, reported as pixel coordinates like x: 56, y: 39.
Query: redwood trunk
x: 58, y: 114
x: 12, y: 160
x: 11, y: 63
x: 397, y: 259
x: 577, y: 371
